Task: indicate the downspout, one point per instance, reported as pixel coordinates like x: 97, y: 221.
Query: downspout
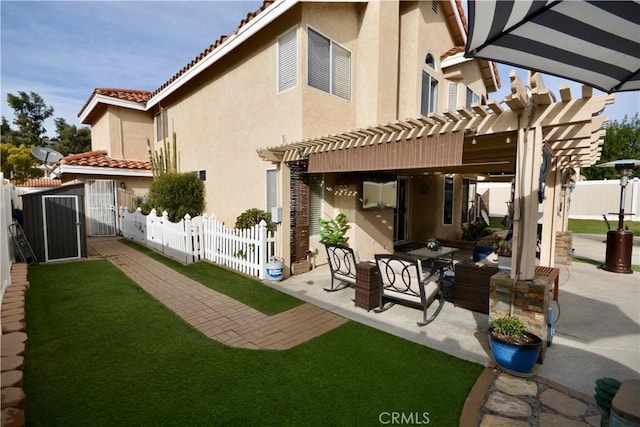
x: 121, y: 134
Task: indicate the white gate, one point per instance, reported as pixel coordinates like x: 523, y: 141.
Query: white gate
x: 101, y: 207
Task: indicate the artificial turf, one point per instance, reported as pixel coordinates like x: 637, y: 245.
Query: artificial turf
x: 103, y: 352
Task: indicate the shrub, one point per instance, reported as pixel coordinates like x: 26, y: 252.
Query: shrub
x: 474, y: 230
x: 252, y: 217
x: 177, y: 193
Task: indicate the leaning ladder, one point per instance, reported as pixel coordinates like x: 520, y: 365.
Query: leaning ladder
x: 22, y: 244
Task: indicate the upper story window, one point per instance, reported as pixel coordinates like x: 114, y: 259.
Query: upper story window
x: 287, y: 61
x: 430, y: 61
x: 429, y: 99
x: 329, y: 66
x: 472, y: 98
x: 453, y: 97
x: 162, y: 124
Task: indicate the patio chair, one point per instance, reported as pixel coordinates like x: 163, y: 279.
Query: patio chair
x: 342, y: 263
x: 402, y: 279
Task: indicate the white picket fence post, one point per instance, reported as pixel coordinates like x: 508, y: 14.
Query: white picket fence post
x: 262, y: 249
x: 203, y: 237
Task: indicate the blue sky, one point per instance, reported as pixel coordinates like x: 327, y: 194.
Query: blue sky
x: 64, y: 50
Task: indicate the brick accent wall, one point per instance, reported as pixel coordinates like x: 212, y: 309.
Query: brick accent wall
x: 531, y: 302
x: 299, y: 213
x: 564, y: 247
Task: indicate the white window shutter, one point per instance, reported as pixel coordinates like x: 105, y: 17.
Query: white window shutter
x: 315, y: 203
x: 341, y: 64
x: 287, y: 61
x: 453, y: 96
x: 319, y: 62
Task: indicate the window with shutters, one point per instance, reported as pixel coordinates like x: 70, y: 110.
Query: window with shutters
x: 287, y: 61
x: 329, y: 66
x: 472, y: 98
x: 316, y: 188
x: 429, y: 98
x: 453, y: 96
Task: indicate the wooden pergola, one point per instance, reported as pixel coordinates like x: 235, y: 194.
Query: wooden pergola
x: 473, y: 140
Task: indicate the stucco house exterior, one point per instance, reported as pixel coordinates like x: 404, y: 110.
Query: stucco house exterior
x: 295, y: 70
x: 367, y: 108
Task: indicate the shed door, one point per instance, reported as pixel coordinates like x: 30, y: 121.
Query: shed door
x: 101, y: 207
x: 61, y: 223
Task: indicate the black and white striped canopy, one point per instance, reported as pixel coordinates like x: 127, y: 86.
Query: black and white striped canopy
x: 592, y: 42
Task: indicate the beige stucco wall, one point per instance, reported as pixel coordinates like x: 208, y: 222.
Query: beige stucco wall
x: 371, y: 230
x: 226, y: 113
x: 123, y: 133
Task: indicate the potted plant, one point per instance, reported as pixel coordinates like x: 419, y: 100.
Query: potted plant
x: 502, y: 247
x: 514, y: 349
x: 334, y: 230
x: 433, y: 244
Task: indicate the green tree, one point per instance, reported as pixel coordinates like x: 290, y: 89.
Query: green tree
x: 70, y: 139
x: 8, y: 134
x: 177, y: 193
x: 622, y: 141
x: 18, y: 163
x: 30, y: 112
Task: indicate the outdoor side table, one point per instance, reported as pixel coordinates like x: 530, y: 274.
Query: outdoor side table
x: 367, y: 291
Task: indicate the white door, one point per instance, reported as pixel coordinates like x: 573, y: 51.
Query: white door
x: 101, y: 207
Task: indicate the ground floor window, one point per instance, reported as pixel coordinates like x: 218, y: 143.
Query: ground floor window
x: 447, y: 214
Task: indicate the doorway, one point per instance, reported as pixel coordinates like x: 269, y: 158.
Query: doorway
x: 400, y: 212
x: 101, y: 207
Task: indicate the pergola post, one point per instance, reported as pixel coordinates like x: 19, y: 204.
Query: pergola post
x: 550, y: 217
x: 525, y: 236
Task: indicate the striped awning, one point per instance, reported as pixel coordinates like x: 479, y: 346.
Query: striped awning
x: 592, y: 42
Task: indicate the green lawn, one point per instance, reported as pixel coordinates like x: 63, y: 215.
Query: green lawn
x: 241, y: 288
x: 598, y: 226
x: 103, y: 352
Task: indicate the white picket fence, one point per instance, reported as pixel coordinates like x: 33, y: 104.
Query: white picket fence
x: 202, y: 238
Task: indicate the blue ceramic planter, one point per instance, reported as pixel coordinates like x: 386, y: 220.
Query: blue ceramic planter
x: 518, y: 359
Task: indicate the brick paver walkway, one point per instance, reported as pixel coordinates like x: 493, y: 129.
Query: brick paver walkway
x: 217, y: 316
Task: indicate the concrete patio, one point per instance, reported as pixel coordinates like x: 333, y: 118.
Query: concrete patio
x: 597, y: 333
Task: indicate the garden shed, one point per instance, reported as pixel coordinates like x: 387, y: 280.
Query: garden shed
x: 54, y: 223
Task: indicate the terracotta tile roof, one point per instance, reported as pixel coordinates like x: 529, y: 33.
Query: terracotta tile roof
x: 459, y: 40
x: 100, y: 159
x: 38, y: 182
x: 212, y: 47
x: 134, y: 95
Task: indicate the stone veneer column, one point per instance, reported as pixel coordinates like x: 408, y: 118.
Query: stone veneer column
x: 564, y: 247
x: 531, y: 303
